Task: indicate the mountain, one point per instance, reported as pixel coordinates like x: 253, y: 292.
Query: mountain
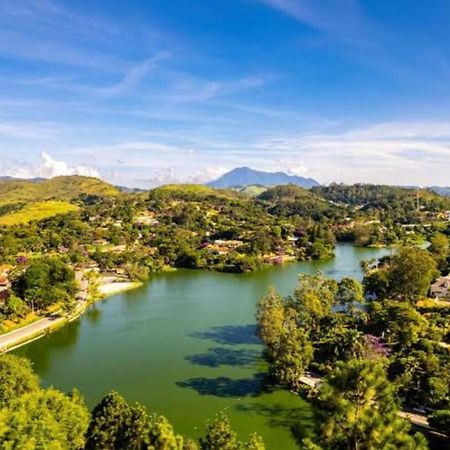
x: 441, y: 190
x: 244, y: 176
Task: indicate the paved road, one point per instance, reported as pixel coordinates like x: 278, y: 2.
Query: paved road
x: 35, y: 329
x: 21, y: 334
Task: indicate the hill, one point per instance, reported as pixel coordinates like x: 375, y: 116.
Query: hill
x: 293, y: 200
x: 382, y: 196
x: 252, y: 190
x: 244, y: 176
x: 15, y: 191
x: 192, y: 192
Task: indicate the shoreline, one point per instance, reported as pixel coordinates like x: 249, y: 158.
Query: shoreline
x: 31, y: 332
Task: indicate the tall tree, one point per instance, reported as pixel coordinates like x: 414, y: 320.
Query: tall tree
x: 16, y: 379
x: 116, y: 425
x: 45, y: 419
x: 411, y: 272
x: 359, y: 411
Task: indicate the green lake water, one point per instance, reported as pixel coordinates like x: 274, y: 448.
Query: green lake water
x: 184, y: 345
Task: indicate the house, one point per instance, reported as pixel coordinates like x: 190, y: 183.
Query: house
x: 441, y: 288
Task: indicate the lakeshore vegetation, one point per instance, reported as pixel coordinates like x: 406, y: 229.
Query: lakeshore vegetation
x: 378, y: 347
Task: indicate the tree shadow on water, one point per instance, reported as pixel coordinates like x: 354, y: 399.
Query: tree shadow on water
x: 301, y: 421
x: 228, y: 387
x: 220, y: 356
x: 230, y: 334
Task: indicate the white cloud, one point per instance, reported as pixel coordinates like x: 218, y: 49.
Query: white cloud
x: 49, y: 168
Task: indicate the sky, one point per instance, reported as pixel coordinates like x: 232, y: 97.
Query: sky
x: 147, y: 92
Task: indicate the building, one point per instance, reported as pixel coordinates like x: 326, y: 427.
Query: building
x: 441, y: 288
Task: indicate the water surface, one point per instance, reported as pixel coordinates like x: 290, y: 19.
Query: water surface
x: 184, y: 345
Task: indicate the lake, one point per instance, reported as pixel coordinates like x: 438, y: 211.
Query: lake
x: 184, y: 345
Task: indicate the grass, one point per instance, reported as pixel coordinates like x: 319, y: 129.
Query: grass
x: 37, y: 211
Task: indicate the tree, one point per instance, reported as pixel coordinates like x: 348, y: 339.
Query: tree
x: 294, y: 353
x: 359, y: 411
x: 440, y: 250
x: 116, y: 425
x: 219, y: 435
x: 46, y: 281
x: 14, y: 307
x: 288, y: 347
x: 398, y: 323
x: 270, y: 317
x: 411, y: 272
x: 313, y: 300
x: 16, y: 379
x: 422, y: 374
x: 349, y: 291
x: 45, y: 419
x: 163, y: 437
x: 440, y: 420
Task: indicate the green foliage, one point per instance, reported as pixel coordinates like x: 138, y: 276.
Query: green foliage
x: 422, y: 375
x: 411, y: 272
x: 440, y: 250
x: 16, y: 379
x: 44, y: 282
x: 290, y: 200
x: 14, y: 307
x: 116, y: 425
x: 220, y: 436
x: 288, y: 347
x: 163, y: 437
x: 45, y: 419
x: 440, y: 420
x: 359, y: 411
x: 405, y: 276
x: 349, y: 292
x: 398, y: 322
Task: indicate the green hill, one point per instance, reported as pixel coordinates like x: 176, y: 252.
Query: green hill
x: 193, y: 192
x: 252, y: 190
x: 290, y: 200
x: 59, y: 188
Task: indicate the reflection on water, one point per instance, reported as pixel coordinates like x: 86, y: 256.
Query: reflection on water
x: 188, y: 338
x: 230, y: 334
x: 221, y: 356
x: 227, y: 387
x: 62, y: 341
x: 93, y: 314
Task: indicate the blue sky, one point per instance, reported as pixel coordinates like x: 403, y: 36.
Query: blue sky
x: 144, y: 92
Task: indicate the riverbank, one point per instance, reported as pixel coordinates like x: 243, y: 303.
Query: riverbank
x: 38, y: 328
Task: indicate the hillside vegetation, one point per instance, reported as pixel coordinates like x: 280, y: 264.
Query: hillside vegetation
x: 290, y: 200
x: 389, y: 198
x: 59, y: 188
x: 37, y: 211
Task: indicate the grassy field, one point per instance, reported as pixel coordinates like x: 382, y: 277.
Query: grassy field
x: 36, y: 211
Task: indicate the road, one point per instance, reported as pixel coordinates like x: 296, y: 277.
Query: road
x: 22, y: 334
x: 36, y: 329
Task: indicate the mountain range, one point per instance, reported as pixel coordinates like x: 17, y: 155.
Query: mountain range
x: 244, y: 176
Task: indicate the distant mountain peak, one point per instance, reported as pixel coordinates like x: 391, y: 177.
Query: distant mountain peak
x: 245, y: 176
